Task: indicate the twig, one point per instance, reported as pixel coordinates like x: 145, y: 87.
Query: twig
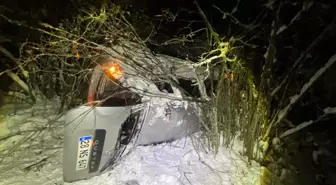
x: 38, y: 163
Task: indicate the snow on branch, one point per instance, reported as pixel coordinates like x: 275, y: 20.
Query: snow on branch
x: 327, y: 111
x: 330, y: 110
x: 283, y: 113
x: 297, y: 128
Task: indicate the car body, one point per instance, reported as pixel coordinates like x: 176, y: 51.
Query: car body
x: 126, y: 107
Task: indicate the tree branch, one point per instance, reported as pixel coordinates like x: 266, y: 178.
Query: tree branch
x: 293, y: 100
x: 327, y: 112
x: 304, y: 54
x: 208, y: 25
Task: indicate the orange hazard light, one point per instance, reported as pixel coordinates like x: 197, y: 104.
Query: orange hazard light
x: 114, y: 71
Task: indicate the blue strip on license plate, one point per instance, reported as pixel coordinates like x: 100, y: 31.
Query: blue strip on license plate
x: 85, y: 138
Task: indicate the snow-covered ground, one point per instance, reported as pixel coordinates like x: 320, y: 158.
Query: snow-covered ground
x: 177, y: 163
x: 34, y: 156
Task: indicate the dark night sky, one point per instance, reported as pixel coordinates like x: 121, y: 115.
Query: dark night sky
x: 54, y: 11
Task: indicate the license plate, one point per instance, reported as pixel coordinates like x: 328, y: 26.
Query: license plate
x: 83, y: 154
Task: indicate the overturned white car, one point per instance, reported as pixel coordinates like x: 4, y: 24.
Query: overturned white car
x: 128, y: 105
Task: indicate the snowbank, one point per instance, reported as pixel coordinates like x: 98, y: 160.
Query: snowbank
x: 178, y: 163
x: 31, y: 151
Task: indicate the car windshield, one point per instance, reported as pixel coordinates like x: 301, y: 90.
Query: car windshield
x: 113, y: 94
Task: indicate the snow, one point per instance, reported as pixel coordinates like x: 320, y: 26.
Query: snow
x: 177, y: 163
x: 185, y: 161
x: 32, y: 155
x: 281, y: 29
x: 330, y: 110
x: 160, y: 107
x: 297, y: 128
